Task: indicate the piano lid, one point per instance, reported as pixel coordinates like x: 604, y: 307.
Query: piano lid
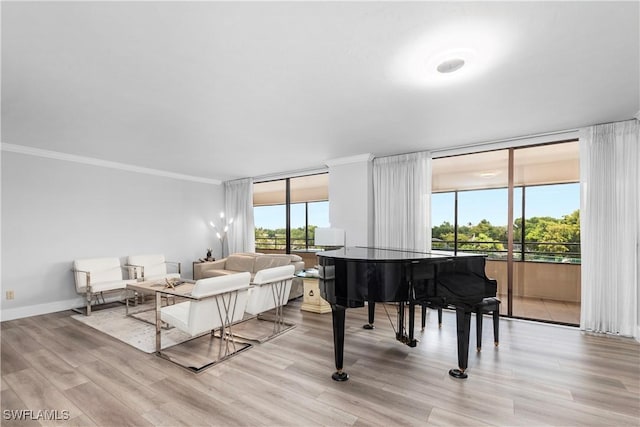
x: 362, y: 253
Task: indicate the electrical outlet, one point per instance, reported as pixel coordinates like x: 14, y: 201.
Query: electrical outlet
x: 10, y: 295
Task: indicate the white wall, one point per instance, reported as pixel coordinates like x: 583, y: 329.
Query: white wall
x: 55, y: 211
x: 351, y: 198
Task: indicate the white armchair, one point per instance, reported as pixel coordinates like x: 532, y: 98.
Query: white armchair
x: 214, y: 303
x: 151, y: 267
x: 96, y: 276
x: 270, y: 291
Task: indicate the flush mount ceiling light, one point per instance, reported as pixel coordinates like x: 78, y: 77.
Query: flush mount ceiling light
x: 450, y: 65
x: 489, y: 174
x: 451, y: 53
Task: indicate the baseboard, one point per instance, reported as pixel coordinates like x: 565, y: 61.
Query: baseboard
x: 637, y: 337
x: 38, y: 309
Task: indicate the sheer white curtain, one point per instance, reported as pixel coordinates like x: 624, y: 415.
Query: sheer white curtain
x: 402, y: 201
x: 238, y: 202
x: 609, y: 161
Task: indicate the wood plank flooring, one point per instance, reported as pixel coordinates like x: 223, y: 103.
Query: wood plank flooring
x: 539, y: 375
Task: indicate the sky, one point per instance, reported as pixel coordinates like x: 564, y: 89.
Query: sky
x: 273, y: 217
x: 474, y: 206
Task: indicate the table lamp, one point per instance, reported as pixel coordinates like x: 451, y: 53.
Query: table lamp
x: 330, y: 238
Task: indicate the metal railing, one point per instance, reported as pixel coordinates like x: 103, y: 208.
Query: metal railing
x: 280, y: 242
x: 494, y: 249
x: 530, y: 251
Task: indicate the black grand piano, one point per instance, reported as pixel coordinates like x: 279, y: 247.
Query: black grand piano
x: 351, y: 276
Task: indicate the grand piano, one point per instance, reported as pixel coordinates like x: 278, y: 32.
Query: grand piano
x: 351, y: 276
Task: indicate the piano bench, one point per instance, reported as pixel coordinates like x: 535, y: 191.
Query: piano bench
x: 487, y: 305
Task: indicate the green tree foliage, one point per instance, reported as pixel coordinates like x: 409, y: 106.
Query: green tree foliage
x: 542, y: 234
x: 276, y: 239
x: 554, y: 232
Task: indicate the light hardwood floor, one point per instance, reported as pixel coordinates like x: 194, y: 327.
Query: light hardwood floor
x: 539, y: 375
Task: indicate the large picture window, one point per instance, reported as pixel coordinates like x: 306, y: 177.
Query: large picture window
x: 287, y: 212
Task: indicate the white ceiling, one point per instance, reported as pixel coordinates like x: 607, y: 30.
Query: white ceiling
x: 224, y: 90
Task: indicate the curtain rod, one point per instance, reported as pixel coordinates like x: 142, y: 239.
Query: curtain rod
x: 505, y: 140
x: 526, y: 137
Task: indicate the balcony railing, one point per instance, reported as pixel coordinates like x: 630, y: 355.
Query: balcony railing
x: 530, y: 251
x: 280, y: 242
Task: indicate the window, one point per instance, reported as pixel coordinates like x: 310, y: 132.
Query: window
x: 552, y: 223
x: 287, y: 212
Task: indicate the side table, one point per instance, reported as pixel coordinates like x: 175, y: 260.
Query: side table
x: 311, y: 299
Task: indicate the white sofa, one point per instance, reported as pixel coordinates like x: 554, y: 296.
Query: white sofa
x: 97, y: 276
x: 252, y: 262
x: 151, y: 267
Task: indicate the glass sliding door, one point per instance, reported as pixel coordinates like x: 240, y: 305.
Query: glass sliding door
x: 540, y: 277
x: 270, y: 215
x: 547, y: 283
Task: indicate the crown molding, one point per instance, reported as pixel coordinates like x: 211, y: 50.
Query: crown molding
x: 38, y: 152
x: 367, y: 157
x: 289, y: 174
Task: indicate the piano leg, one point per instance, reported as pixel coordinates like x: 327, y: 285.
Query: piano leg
x: 463, y: 325
x: 338, y: 313
x: 400, y: 333
x: 412, y: 322
x: 371, y: 305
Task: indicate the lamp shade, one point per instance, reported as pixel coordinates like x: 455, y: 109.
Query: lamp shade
x: 329, y: 236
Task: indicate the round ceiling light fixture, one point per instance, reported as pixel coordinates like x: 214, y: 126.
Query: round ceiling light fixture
x: 450, y: 65
x: 453, y: 52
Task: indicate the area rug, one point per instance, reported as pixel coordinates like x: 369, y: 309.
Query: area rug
x: 131, y: 329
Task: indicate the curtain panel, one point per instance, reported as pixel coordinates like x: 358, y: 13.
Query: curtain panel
x: 238, y: 202
x: 402, y: 201
x: 610, y: 234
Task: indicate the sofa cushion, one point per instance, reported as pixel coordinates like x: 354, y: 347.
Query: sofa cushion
x: 154, y: 265
x: 105, y: 270
x: 216, y: 273
x: 269, y: 261
x: 111, y: 286
x: 264, y: 288
x: 290, y: 257
x: 240, y: 263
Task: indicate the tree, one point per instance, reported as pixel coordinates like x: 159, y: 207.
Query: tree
x: 543, y: 234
